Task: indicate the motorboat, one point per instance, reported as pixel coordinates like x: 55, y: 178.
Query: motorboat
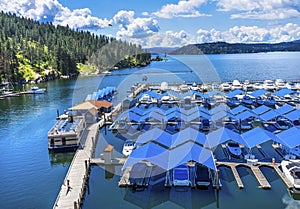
x: 291, y: 169
x: 128, y: 147
x: 194, y: 87
x: 297, y: 85
x: 145, y: 99
x: 233, y: 102
x: 234, y: 148
x: 257, y: 86
x: 282, y: 124
x: 279, y: 84
x: 225, y: 87
x: 181, y: 176
x: 183, y: 88
x: 245, y: 125
x: 270, y: 101
x: 291, y: 86
x: 247, y: 86
x: 36, y: 90
x: 247, y: 100
x: 209, y: 102
x: 259, y: 101
x: 236, y: 85
x: 203, y: 87
x: 269, y: 85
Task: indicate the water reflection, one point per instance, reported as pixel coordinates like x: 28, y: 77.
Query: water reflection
x: 63, y: 159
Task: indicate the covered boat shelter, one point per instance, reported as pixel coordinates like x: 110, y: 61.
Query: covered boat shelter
x: 290, y: 137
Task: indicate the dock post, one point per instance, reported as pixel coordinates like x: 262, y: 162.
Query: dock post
x: 217, y: 180
x: 108, y: 154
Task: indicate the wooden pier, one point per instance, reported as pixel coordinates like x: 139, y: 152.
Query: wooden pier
x: 73, y: 188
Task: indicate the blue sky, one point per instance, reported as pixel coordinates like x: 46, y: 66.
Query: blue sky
x: 170, y: 23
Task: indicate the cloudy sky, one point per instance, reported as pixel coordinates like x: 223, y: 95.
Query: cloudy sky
x: 171, y: 22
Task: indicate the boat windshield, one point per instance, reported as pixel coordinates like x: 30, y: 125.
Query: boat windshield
x: 233, y: 144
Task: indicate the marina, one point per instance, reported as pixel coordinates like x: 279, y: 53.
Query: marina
x: 141, y: 165
x: 49, y: 169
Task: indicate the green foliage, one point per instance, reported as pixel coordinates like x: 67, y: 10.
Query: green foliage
x: 86, y: 68
x: 30, y: 49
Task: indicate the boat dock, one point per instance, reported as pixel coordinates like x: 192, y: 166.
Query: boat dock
x: 73, y: 188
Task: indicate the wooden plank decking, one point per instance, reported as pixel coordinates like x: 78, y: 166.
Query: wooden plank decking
x: 73, y: 188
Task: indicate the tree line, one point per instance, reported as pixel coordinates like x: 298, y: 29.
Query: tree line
x: 31, y: 50
x: 229, y: 48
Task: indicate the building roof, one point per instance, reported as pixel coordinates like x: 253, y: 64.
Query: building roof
x: 101, y: 104
x: 91, y: 104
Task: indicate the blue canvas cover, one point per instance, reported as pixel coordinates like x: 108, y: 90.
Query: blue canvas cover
x: 261, y: 110
x: 283, y: 92
x: 294, y: 115
x: 152, y: 135
x: 271, y: 114
x: 188, y: 134
x: 234, y: 93
x: 239, y: 110
x: 258, y: 93
x: 257, y: 136
x: 290, y: 137
x: 285, y: 109
x: 220, y: 136
x: 244, y: 115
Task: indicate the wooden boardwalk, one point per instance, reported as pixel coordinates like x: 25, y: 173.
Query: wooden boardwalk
x: 73, y: 188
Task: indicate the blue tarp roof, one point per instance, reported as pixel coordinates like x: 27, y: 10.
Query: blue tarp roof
x: 189, y: 111
x: 169, y: 159
x: 217, y: 109
x: 244, y: 115
x: 153, y: 116
x: 294, y: 115
x: 188, y: 134
x: 257, y: 136
x: 258, y: 93
x: 239, y: 110
x: 290, y: 137
x: 220, y: 136
x: 283, y: 92
x: 285, y: 109
x: 235, y: 92
x: 130, y: 116
x: 137, y: 110
x: 261, y: 110
x: 269, y: 115
x: 220, y: 115
x: 151, y: 135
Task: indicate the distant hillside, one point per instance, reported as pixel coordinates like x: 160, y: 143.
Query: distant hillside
x: 161, y: 50
x: 227, y: 48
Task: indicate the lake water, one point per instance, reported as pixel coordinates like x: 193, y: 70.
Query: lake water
x: 30, y: 177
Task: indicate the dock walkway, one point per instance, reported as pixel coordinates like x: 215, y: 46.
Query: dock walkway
x: 73, y: 188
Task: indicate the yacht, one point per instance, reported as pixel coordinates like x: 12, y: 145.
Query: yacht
x: 145, y: 98
x: 291, y: 169
x: 204, y: 88
x: 269, y: 85
x: 194, y: 87
x: 233, y: 102
x: 257, y: 86
x: 225, y: 87
x: 36, y: 90
x: 247, y: 86
x: 128, y: 147
x: 234, y: 148
x: 209, y: 102
x: 236, y: 85
x: 279, y: 83
x: 291, y: 86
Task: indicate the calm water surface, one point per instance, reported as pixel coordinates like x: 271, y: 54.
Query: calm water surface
x: 30, y: 177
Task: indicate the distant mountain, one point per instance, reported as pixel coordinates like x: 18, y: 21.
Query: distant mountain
x: 227, y: 48
x: 161, y: 50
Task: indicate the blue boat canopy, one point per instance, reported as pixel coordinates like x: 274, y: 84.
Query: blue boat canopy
x: 258, y: 136
x: 220, y: 136
x: 294, y: 115
x: 234, y: 93
x: 290, y: 137
x: 188, y: 134
x: 258, y: 93
x: 152, y: 135
x: 285, y: 109
x: 283, y: 92
x: 238, y: 110
x: 271, y: 114
x: 261, y: 110
x: 244, y: 115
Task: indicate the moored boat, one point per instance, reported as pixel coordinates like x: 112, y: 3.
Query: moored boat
x: 291, y: 169
x: 36, y: 90
x: 234, y: 148
x: 128, y: 147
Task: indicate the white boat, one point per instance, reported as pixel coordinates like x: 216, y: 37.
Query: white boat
x: 257, y: 86
x: 247, y: 86
x: 203, y: 88
x: 225, y: 87
x: 236, y: 85
x: 279, y: 83
x: 128, y: 147
x: 234, y: 148
x: 291, y: 86
x: 145, y: 98
x: 269, y: 85
x: 291, y: 169
x: 194, y: 87
x: 297, y: 85
x: 36, y: 90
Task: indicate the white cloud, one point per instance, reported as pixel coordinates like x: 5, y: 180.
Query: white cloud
x: 52, y: 10
x: 251, y: 34
x: 261, y: 9
x: 131, y: 27
x: 184, y: 8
